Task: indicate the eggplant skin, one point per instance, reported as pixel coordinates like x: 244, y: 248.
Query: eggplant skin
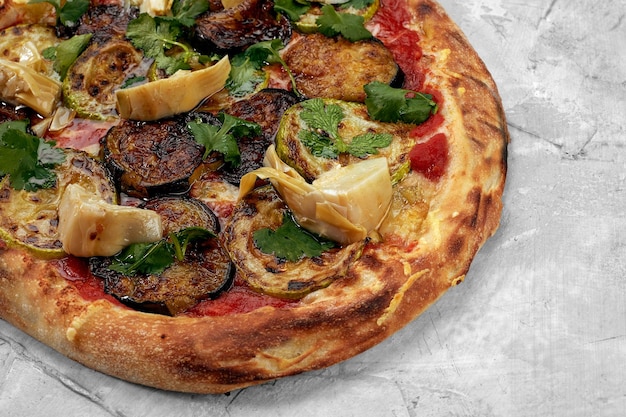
x: 105, y: 21
x: 266, y: 109
x: 354, y: 64
x: 152, y: 158
x: 236, y: 28
x: 178, y: 212
x: 205, y: 271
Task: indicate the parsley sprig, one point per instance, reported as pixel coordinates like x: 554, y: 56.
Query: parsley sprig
x: 158, y: 35
x: 388, y: 104
x: 350, y: 26
x: 223, y: 139
x: 246, y: 68
x: 322, y: 134
x: 68, y: 12
x: 290, y: 241
x: 154, y: 258
x: 66, y: 52
x: 28, y: 160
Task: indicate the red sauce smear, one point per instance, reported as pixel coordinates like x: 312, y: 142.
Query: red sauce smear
x: 80, y: 134
x: 88, y: 286
x: 239, y: 299
x: 389, y: 25
x: 430, y: 157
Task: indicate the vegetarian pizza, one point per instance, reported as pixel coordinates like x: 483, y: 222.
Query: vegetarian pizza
x: 203, y: 195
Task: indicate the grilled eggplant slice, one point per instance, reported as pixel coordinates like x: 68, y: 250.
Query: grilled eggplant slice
x: 235, y: 28
x: 355, y: 64
x: 266, y: 109
x: 267, y: 273
x: 204, y: 272
x: 106, y: 21
x: 178, y: 213
x: 150, y: 158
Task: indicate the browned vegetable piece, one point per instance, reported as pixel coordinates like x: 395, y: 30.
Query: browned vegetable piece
x: 354, y: 64
x: 204, y: 272
x: 150, y: 158
x: 179, y: 212
x: 249, y: 22
x: 265, y: 108
x: 105, y: 21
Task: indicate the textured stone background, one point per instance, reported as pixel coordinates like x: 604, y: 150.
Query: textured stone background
x: 539, y: 326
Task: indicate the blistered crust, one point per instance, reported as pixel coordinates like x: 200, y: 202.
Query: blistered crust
x: 388, y: 287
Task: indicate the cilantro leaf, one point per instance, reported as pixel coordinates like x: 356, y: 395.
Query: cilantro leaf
x: 143, y: 258
x: 245, y: 75
x: 389, y: 104
x: 65, y: 53
x: 154, y: 258
x: 155, y: 36
x: 368, y: 144
x: 28, y: 160
x: 70, y: 12
x: 357, y: 4
x: 350, y: 26
x: 294, y: 9
x: 186, y: 11
x: 319, y: 145
x: 318, y: 115
x: 290, y: 241
x: 223, y: 138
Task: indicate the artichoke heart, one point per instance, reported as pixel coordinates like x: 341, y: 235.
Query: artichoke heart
x: 89, y: 226
x: 169, y: 96
x: 343, y: 204
x: 20, y: 84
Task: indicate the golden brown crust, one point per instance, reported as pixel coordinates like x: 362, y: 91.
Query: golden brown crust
x: 389, y: 286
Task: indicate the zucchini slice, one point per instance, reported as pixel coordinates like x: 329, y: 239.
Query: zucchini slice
x: 263, y: 208
x: 30, y: 219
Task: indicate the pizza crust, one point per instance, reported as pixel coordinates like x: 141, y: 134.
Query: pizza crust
x: 387, y: 288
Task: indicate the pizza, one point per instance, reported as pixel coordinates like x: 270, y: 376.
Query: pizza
x: 202, y: 196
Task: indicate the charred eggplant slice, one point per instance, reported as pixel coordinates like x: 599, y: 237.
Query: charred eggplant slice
x: 263, y: 209
x: 249, y: 22
x: 178, y: 213
x: 105, y: 21
x: 266, y: 109
x: 203, y: 272
x: 149, y: 158
x: 354, y: 64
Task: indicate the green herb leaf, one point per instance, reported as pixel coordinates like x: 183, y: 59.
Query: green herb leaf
x: 28, y: 160
x: 186, y: 11
x: 356, y: 4
x: 350, y: 26
x: 65, y: 53
x: 223, y: 139
x: 70, y: 13
x: 294, y: 9
x: 245, y: 75
x: 155, y: 36
x: 319, y: 145
x: 154, y: 258
x: 389, y: 104
x: 290, y: 241
x: 368, y: 144
x: 317, y: 115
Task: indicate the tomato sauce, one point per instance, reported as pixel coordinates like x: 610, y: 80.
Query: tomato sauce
x: 237, y: 300
x: 88, y: 286
x: 431, y: 157
x: 390, y: 26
